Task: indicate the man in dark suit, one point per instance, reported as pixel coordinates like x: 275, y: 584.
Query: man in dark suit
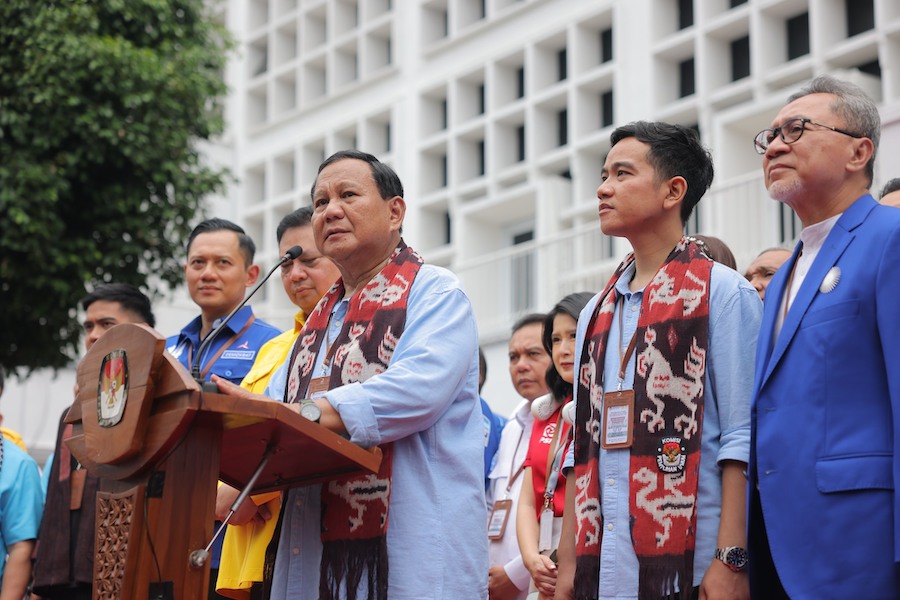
x: 824, y: 511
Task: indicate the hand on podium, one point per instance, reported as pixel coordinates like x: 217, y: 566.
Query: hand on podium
x: 330, y: 419
x: 232, y: 389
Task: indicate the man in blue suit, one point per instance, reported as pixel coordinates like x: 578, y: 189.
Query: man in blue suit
x: 824, y: 512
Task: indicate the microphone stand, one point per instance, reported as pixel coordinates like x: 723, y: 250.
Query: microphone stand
x: 209, y: 386
x: 198, y: 558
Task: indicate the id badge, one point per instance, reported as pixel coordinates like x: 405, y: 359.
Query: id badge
x: 76, y: 488
x: 499, y: 516
x: 618, y: 419
x: 318, y: 387
x: 545, y: 540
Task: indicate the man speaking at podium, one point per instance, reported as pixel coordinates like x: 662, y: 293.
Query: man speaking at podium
x: 389, y: 358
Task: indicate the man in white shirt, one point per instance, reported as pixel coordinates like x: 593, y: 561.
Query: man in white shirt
x: 508, y: 578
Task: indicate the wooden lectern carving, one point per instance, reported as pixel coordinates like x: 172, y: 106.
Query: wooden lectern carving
x: 159, y: 443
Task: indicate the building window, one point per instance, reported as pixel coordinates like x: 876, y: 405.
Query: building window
x: 562, y: 67
x: 788, y: 224
x: 860, y: 16
x: 387, y: 136
x: 448, y: 227
x: 740, y: 58
x: 686, y: 78
x: 736, y: 3
x: 481, y: 160
x: 685, y: 13
x: 797, y: 36
x: 562, y: 122
x: 444, y: 114
x: 872, y: 68
x: 522, y: 276
x: 520, y: 143
x: 606, y: 45
x: 606, y: 108
x: 520, y: 82
x: 444, y: 175
x: 481, y: 99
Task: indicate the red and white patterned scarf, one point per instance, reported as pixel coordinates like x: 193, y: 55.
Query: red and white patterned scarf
x: 670, y: 369
x: 355, y: 508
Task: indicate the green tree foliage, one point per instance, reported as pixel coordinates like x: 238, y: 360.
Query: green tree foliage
x: 102, y: 104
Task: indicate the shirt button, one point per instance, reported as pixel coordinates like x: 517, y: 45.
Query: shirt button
x: 299, y: 503
x: 634, y: 308
x: 610, y: 527
x: 611, y: 481
x: 228, y: 373
x: 295, y: 550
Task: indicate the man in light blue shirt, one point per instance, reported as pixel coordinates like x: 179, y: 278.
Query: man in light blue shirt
x: 653, y: 177
x: 423, y: 400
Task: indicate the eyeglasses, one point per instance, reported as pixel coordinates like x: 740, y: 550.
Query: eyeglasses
x: 789, y: 132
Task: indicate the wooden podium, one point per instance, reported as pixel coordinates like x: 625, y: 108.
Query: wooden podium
x: 159, y: 443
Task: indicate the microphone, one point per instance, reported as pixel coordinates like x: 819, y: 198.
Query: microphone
x: 207, y: 386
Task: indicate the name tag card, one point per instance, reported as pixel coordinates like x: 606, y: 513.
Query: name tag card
x: 499, y: 517
x: 618, y: 420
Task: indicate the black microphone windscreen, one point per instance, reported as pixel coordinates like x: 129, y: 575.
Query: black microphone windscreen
x: 293, y: 253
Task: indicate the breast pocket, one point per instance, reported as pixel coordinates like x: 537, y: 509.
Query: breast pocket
x: 847, y: 309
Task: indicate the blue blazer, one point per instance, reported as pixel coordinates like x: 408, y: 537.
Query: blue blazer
x: 826, y: 416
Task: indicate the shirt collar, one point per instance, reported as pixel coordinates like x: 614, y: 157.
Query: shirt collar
x: 624, y: 281
x: 814, y: 236
x: 238, y: 321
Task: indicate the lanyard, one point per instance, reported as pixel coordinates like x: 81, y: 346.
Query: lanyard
x: 790, y: 283
x: 329, y: 343
x: 554, y: 458
x: 515, y: 475
x: 624, y: 358
x: 221, y: 350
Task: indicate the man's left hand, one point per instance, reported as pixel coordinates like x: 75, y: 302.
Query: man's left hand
x: 721, y: 583
x: 232, y: 389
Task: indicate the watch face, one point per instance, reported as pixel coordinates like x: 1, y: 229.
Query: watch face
x: 737, y: 557
x: 310, y: 411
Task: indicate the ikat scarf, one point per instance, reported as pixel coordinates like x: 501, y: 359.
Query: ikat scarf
x: 355, y: 508
x: 670, y: 353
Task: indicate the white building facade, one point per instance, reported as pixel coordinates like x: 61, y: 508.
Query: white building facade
x: 496, y: 114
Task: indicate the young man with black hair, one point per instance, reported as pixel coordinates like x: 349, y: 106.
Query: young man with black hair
x: 662, y: 424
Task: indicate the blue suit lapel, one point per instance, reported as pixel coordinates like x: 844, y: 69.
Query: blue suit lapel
x: 771, y: 309
x: 837, y: 241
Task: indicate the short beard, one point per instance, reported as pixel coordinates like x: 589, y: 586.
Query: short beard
x: 785, y: 191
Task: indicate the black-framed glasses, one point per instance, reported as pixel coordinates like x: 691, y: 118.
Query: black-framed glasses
x: 790, y: 131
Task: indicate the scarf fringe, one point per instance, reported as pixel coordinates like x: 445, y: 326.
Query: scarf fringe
x: 587, y: 577
x: 344, y: 562
x: 657, y: 577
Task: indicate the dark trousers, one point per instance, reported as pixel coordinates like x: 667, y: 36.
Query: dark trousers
x: 764, y: 579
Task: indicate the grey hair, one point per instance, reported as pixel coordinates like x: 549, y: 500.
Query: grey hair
x: 854, y: 106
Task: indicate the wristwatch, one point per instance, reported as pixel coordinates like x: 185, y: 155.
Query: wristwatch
x: 734, y: 557
x: 310, y: 410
